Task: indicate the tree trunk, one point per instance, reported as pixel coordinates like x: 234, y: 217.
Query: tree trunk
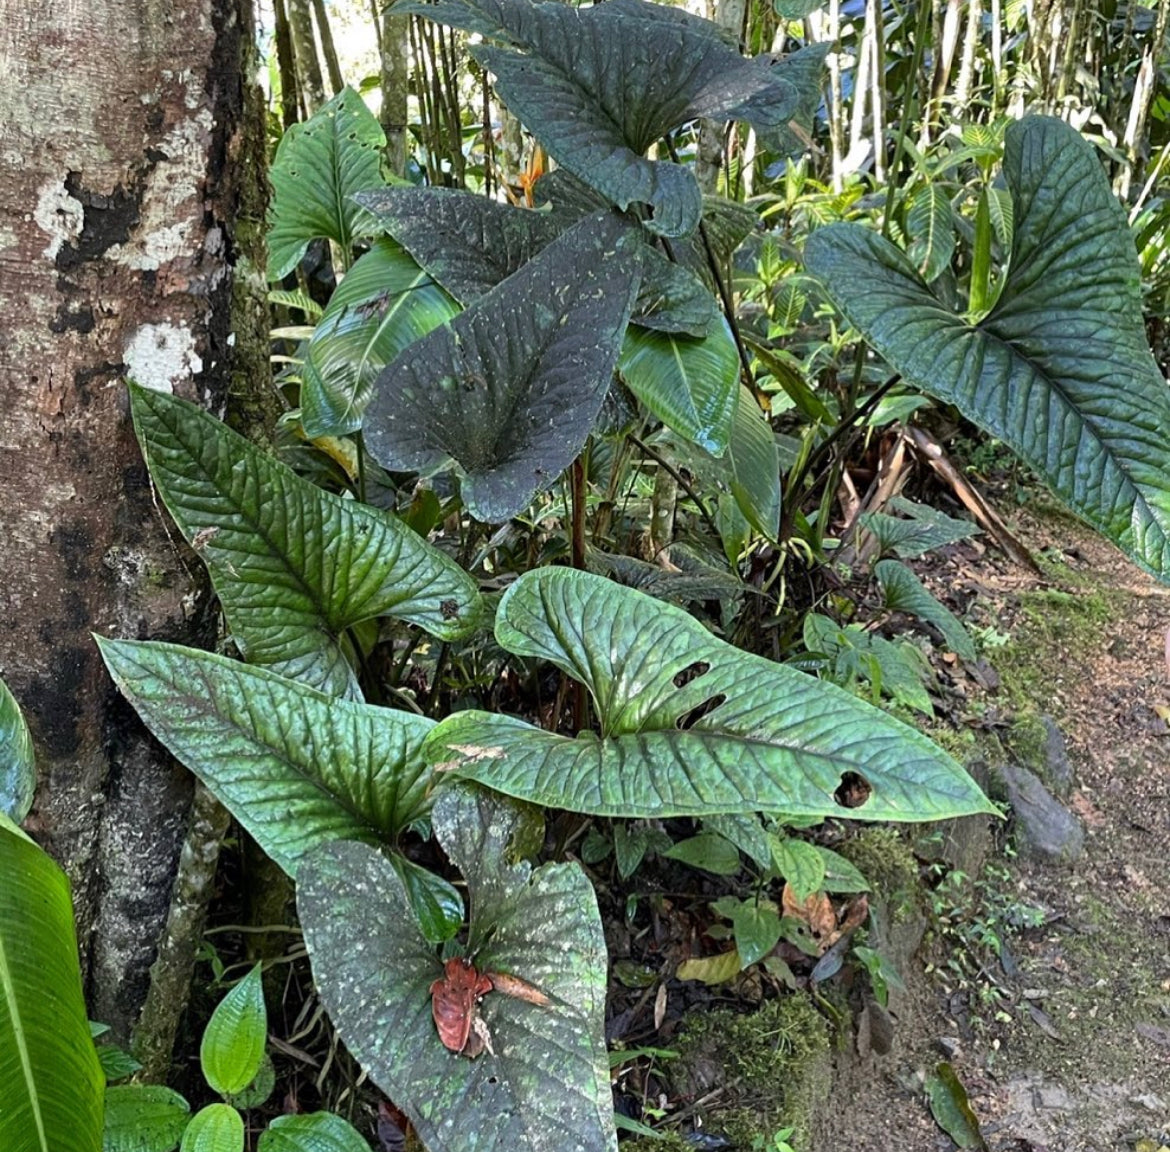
x: 312, y: 87
x: 395, y: 89
x: 118, y: 122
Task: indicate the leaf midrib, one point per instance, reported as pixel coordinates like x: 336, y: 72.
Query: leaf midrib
x: 9, y: 989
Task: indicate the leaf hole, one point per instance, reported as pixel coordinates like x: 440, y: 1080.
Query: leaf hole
x: 691, y: 672
x: 493, y: 1079
x: 853, y: 791
x: 691, y: 718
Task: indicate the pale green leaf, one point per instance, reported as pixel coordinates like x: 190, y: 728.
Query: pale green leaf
x: 217, y: 1128
x: 144, y: 1118
x: 708, y: 851
x: 930, y: 225
x: 801, y: 865
x: 744, y: 735
x: 294, y: 566
x: 233, y: 1041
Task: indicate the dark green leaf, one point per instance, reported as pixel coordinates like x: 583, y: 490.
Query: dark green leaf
x: 904, y: 592
x: 1059, y: 369
x: 384, y: 304
x: 294, y: 566
x: 952, y: 1110
x: 757, y: 929
x: 296, y: 767
x: 708, y: 851
x: 745, y: 735
x: 437, y: 905
x: 925, y: 530
x: 746, y: 832
x: 50, y: 1080
x: 546, y: 1088
x: 691, y: 385
x: 511, y: 387
x: 234, y: 1039
x: 18, y: 768
x: 117, y: 1064
x: 144, y: 1118
x: 597, y: 86
x: 318, y: 167
x: 841, y: 875
x: 311, y: 1132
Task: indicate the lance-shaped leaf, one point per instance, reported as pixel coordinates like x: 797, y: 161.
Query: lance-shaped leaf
x: 1059, y: 369
x: 297, y: 768
x: 385, y: 303
x: 691, y: 385
x: 294, y: 566
x: 18, y: 769
x: 511, y: 387
x: 689, y: 724
x: 904, y: 592
x: 545, y: 1088
x: 469, y: 243
x: 597, y: 86
x: 319, y: 165
x: 50, y: 1080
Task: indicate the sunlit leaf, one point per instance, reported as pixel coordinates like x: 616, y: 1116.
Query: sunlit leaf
x: 233, y: 1042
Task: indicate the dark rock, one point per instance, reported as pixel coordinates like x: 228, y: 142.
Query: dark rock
x: 1058, y: 771
x: 1045, y: 829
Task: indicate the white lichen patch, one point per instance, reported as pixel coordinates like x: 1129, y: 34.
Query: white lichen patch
x: 58, y: 215
x: 157, y: 356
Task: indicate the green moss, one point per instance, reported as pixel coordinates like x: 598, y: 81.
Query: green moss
x: 886, y: 860
x: 668, y: 1142
x: 772, y: 1067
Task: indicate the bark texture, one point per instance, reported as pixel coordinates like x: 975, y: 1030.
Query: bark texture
x: 117, y: 122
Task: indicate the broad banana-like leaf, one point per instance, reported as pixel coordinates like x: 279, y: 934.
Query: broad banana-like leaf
x: 511, y: 387
x: 18, y: 768
x: 297, y: 768
x: 1059, y: 370
x: 469, y: 243
x: 319, y: 165
x: 904, y: 592
x: 294, y: 566
x: 689, y: 724
x: 598, y: 86
x: 385, y: 303
x: 51, y: 1083
x: 544, y: 1085
x: 691, y: 385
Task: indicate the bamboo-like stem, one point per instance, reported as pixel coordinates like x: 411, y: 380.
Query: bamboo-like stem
x: 395, y: 69
x: 965, y: 84
x: 286, y: 66
x: 1143, y: 93
x: 878, y: 98
x: 325, y: 35
x: 836, y: 101
x: 312, y: 87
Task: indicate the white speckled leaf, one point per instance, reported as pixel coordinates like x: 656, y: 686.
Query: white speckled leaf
x: 18, y: 769
x: 546, y: 1089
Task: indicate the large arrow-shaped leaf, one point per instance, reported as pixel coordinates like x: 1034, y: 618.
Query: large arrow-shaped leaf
x: 511, y: 387
x: 296, y: 767
x: 385, y: 303
x: 318, y: 167
x: 51, y: 1082
x: 546, y: 1087
x: 294, y: 566
x: 598, y: 86
x: 469, y: 243
x: 689, y: 725
x: 1059, y: 370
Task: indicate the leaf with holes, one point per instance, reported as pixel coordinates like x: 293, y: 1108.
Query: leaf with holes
x: 598, y: 86
x: 510, y: 388
x: 544, y: 1085
x: 296, y: 767
x: 319, y: 165
x: 18, y: 768
x: 294, y: 566
x: 50, y: 1080
x: 385, y: 303
x: 469, y: 243
x: 1059, y: 370
x: 904, y: 592
x: 689, y: 725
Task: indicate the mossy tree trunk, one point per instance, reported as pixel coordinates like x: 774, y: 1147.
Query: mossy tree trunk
x: 120, y: 174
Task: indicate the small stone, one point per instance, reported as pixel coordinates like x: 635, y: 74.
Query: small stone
x: 1045, y: 829
x: 1053, y: 1097
x: 1057, y: 766
x: 949, y: 1046
x: 1150, y: 1102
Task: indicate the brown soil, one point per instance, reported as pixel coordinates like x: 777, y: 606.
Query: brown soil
x: 1074, y: 1055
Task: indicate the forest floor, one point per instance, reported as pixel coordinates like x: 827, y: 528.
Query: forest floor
x: 1063, y: 1041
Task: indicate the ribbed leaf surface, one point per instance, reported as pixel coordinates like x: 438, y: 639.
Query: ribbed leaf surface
x: 311, y: 1132
x: 51, y: 1083
x: 597, y: 86
x: 1059, y: 370
x: 319, y: 165
x: 384, y: 304
x: 296, y: 767
x: 144, y: 1118
x: 232, y: 1047
x: 741, y: 734
x: 546, y: 1088
x: 511, y: 387
x: 294, y: 566
x: 904, y: 592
